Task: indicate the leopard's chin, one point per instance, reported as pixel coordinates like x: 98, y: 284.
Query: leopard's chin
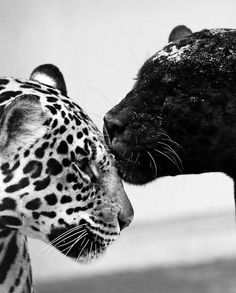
x: 83, y: 246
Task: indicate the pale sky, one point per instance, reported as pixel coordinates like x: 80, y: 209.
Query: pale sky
x: 99, y: 45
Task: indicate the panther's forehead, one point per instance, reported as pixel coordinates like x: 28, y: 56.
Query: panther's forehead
x: 204, y: 57
x: 186, y: 48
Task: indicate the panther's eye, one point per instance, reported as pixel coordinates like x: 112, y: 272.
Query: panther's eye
x: 85, y: 166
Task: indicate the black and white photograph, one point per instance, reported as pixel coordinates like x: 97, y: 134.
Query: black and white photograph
x: 117, y: 146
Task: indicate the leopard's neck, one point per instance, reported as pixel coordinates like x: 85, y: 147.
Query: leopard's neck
x: 15, y: 267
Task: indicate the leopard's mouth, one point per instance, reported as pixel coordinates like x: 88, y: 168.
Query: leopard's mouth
x: 80, y: 242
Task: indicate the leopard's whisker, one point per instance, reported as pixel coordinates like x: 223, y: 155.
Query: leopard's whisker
x: 68, y: 232
x: 67, y: 242
x: 68, y: 236
x: 79, y: 238
x: 54, y: 241
x: 51, y: 243
x: 82, y: 249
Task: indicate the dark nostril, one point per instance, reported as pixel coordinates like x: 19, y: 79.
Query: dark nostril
x: 126, y: 216
x: 112, y: 126
x: 123, y: 223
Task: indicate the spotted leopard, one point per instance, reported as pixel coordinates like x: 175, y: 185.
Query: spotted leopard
x: 58, y: 180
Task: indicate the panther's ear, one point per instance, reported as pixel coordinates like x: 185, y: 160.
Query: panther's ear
x: 49, y: 74
x: 22, y: 123
x: 179, y: 32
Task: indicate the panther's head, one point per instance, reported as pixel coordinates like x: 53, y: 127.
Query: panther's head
x: 58, y: 180
x: 180, y: 115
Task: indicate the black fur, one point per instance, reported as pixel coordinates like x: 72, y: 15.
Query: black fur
x: 180, y: 116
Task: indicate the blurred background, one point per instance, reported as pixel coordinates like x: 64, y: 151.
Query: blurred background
x: 183, y: 238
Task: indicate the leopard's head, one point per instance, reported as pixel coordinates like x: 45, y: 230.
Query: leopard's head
x: 58, y: 179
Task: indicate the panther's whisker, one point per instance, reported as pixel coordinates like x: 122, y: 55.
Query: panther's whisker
x: 136, y: 160
x: 163, y: 133
x: 127, y: 160
x: 154, y: 163
x: 174, y: 142
x: 165, y: 155
x: 172, y: 150
x: 173, y: 156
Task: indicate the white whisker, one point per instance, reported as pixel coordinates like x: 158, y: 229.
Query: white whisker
x: 51, y: 243
x: 168, y: 157
x: 82, y: 249
x: 67, y: 242
x: 79, y: 238
x: 154, y: 163
x: 172, y: 151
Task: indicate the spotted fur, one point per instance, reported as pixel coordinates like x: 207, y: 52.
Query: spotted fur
x: 58, y: 180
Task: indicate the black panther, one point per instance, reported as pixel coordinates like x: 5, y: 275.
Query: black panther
x: 180, y: 116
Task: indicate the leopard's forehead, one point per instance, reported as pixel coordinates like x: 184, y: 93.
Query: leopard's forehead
x: 59, y: 106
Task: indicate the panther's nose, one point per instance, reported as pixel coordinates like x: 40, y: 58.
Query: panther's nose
x: 112, y: 127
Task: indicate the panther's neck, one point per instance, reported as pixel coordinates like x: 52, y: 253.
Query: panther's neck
x: 15, y: 268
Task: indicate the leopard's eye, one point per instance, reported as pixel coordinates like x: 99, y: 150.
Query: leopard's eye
x: 85, y: 166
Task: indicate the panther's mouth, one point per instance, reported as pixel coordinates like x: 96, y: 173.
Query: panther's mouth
x: 119, y: 146
x: 139, y: 162
x: 81, y: 242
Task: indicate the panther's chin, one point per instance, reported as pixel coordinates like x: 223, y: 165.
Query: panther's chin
x: 80, y: 244
x: 141, y: 165
x: 138, y: 173
x: 143, y: 161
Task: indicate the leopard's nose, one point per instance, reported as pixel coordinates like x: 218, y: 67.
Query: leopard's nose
x: 112, y: 127
x: 126, y: 213
x: 125, y: 221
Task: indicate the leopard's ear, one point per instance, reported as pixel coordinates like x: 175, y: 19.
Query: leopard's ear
x: 179, y: 32
x: 22, y: 123
x: 49, y: 74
